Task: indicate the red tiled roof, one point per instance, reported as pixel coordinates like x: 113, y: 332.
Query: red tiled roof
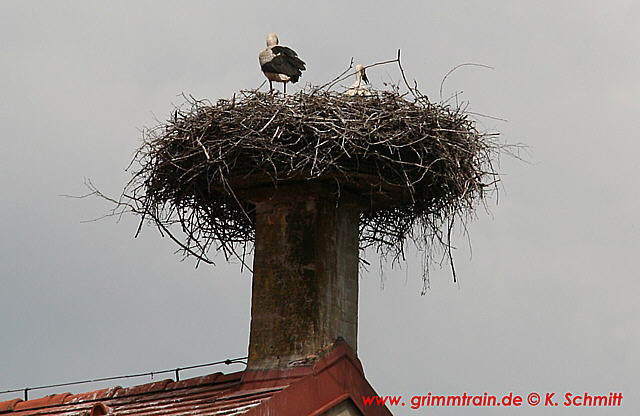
x: 305, y: 390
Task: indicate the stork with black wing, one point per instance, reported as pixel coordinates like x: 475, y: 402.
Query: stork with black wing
x: 280, y: 63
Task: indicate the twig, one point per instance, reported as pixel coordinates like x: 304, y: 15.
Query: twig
x: 452, y: 70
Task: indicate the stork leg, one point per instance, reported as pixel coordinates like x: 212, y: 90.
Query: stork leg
x: 270, y: 86
x: 285, y: 87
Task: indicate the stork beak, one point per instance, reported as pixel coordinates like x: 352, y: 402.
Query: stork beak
x: 364, y: 77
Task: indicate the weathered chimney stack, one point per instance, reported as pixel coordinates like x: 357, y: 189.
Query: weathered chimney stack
x: 305, y: 276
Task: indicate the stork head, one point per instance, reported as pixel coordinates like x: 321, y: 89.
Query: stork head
x: 272, y: 40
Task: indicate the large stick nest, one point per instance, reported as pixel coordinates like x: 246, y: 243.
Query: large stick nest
x: 421, y: 165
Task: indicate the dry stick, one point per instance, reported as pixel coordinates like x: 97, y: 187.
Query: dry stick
x: 452, y: 70
x: 341, y: 77
x: 487, y: 116
x: 405, y: 78
x: 178, y: 242
x: 336, y: 79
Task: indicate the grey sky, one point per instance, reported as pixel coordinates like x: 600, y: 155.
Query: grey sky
x: 549, y: 301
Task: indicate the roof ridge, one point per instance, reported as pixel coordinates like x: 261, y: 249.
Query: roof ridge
x: 333, y: 376
x: 68, y: 398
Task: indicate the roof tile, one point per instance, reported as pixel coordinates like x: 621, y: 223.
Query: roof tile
x: 8, y: 405
x: 230, y: 378
x: 143, y: 388
x: 192, y: 382
x: 93, y: 395
x: 51, y: 400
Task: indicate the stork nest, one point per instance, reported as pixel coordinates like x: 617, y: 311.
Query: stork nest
x: 422, y: 165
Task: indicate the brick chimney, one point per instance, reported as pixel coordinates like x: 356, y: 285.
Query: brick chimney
x: 305, y: 275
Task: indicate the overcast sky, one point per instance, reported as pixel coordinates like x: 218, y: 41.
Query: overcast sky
x: 548, y: 302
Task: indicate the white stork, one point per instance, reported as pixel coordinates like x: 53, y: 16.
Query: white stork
x: 279, y: 63
x: 359, y: 87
